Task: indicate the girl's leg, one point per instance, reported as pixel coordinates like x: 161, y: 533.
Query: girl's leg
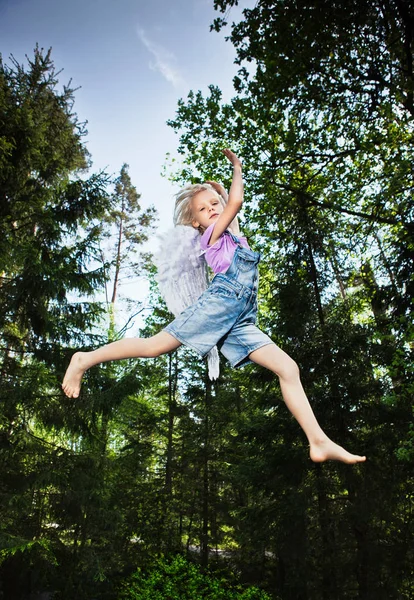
x: 321, y: 447
x: 151, y: 347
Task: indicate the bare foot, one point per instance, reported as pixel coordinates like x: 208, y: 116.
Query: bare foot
x: 73, y: 376
x: 326, y: 449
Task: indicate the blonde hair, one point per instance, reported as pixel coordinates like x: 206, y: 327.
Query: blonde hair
x: 182, y: 210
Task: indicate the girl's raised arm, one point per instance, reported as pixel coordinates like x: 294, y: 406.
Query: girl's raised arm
x: 235, y: 199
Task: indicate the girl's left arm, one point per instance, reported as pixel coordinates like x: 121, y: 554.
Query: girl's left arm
x: 237, y: 187
x: 234, y: 225
x: 235, y: 200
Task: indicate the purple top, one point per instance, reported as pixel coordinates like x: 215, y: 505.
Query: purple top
x: 220, y: 254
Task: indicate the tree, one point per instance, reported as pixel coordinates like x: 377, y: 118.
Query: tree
x: 50, y: 215
x: 328, y: 157
x: 43, y: 258
x: 130, y: 226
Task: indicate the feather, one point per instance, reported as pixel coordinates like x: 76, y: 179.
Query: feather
x: 213, y: 361
x: 182, y: 275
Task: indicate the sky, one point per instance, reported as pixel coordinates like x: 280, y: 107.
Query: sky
x: 132, y: 60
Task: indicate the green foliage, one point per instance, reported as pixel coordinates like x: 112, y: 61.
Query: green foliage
x: 41, y: 547
x: 44, y: 257
x: 127, y: 227
x: 329, y: 198
x: 153, y: 459
x: 180, y: 579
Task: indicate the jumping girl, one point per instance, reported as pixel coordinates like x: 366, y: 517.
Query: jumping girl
x: 224, y: 315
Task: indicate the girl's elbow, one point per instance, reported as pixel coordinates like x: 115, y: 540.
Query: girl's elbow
x: 236, y: 203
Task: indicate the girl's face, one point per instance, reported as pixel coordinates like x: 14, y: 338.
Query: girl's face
x: 206, y: 209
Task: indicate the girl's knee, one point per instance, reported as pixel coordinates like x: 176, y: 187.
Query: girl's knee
x: 289, y: 369
x: 158, y: 344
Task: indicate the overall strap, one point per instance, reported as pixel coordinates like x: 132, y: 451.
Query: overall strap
x: 234, y: 238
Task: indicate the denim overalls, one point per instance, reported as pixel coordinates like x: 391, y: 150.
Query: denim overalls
x: 225, y: 314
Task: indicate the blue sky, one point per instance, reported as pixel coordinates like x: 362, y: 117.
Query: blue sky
x: 133, y: 60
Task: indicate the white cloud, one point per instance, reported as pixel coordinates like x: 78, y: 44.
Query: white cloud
x: 164, y: 60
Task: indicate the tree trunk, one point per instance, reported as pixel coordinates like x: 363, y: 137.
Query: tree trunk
x: 206, y: 490
x: 329, y: 583
x: 336, y: 270
x: 117, y: 261
x: 171, y: 414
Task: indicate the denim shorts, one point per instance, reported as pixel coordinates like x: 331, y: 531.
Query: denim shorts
x: 225, y: 314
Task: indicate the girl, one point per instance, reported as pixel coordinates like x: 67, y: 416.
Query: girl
x: 224, y: 315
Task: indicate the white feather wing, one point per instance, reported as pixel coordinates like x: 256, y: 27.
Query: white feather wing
x: 182, y: 271
x: 182, y: 275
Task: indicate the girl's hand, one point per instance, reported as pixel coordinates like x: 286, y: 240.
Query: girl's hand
x: 233, y: 158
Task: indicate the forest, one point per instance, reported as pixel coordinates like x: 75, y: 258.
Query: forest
x: 157, y: 483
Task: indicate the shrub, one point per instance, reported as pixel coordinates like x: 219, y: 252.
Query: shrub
x: 179, y: 579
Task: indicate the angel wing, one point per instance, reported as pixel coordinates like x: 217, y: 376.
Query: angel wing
x: 182, y: 275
